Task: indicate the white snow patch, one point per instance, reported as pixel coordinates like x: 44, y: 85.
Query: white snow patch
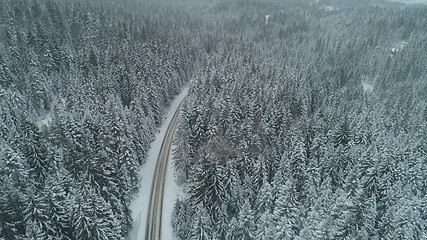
x: 328, y: 8
x: 139, y: 205
x: 399, y: 46
x: 367, y: 87
x: 267, y: 17
x: 45, y: 122
x: 378, y: 5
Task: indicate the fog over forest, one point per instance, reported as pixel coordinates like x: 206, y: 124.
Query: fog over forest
x: 411, y: 1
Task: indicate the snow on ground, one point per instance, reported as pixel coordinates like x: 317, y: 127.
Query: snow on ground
x: 45, y: 122
x: 267, y: 17
x: 398, y: 47
x: 139, y: 205
x: 367, y: 87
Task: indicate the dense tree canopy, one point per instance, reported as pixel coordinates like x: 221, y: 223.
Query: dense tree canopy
x: 278, y: 122
x: 304, y: 119
x: 83, y: 86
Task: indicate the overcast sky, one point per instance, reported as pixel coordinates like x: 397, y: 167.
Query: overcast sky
x: 411, y: 1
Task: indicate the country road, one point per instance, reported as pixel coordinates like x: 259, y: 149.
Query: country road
x: 155, y: 206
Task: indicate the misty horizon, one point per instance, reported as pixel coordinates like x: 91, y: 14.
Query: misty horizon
x: 410, y: 1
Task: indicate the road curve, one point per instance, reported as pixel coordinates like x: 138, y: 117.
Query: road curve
x: 154, y: 213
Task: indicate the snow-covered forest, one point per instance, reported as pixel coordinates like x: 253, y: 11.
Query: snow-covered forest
x: 82, y: 88
x: 279, y: 139
x: 304, y: 119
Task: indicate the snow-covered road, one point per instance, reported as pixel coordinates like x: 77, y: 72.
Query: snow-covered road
x: 140, y: 204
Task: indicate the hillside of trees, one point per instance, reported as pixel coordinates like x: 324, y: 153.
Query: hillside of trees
x: 83, y: 86
x: 279, y: 140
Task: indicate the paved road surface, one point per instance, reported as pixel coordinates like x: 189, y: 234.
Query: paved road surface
x: 154, y: 215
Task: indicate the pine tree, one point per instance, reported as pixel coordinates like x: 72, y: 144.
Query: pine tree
x: 34, y: 149
x: 265, y: 200
x: 221, y: 224
x: 201, y: 228
x: 35, y: 215
x: 265, y: 227
x: 233, y: 232
x: 184, y: 152
x: 33, y: 231
x: 92, y: 216
x: 356, y: 217
x: 403, y: 219
x: 58, y: 204
x: 207, y: 186
x: 14, y: 192
x: 182, y: 219
x: 285, y: 212
x: 246, y: 220
x: 299, y: 166
x: 342, y: 134
x: 318, y: 220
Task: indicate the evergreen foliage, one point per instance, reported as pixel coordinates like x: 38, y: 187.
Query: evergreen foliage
x: 306, y: 152
x: 277, y: 138
x: 83, y: 86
